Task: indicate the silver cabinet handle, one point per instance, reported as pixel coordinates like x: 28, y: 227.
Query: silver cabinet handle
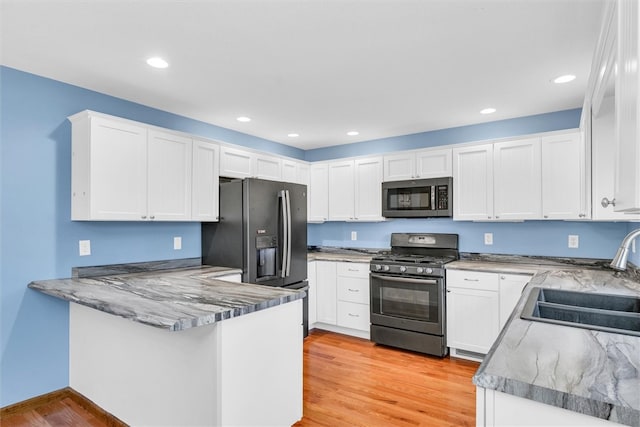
x: 502, y: 277
x: 352, y: 269
x: 546, y: 216
x: 488, y: 217
x: 497, y: 217
x: 582, y: 215
x: 354, y: 290
x: 471, y: 280
x: 143, y: 217
x: 353, y: 315
x: 606, y: 202
x: 152, y: 217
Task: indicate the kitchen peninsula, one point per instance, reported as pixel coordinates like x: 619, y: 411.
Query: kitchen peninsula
x: 182, y: 347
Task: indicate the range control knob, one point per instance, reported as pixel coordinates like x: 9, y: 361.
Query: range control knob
x: 378, y: 267
x: 403, y: 269
x: 385, y: 268
x: 419, y: 270
x: 428, y: 270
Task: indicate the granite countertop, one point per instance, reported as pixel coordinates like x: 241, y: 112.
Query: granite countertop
x: 520, y: 264
x: 327, y: 253
x: 174, y: 299
x: 591, y: 372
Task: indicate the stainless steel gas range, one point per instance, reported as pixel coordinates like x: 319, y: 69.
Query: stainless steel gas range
x: 408, y: 292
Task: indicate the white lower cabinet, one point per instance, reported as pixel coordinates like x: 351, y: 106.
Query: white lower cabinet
x: 478, y: 306
x: 342, y: 297
x: 312, y: 293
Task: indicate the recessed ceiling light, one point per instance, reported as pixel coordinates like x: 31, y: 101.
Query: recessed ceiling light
x: 293, y: 135
x: 488, y: 111
x: 564, y: 79
x: 157, y: 62
x: 243, y: 119
x: 353, y: 133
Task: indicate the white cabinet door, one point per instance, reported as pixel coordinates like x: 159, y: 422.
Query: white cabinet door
x: 109, y: 179
x: 326, y: 292
x: 235, y: 163
x: 563, y: 177
x: 434, y: 163
x: 169, y: 170
x: 399, y: 167
x: 312, y: 293
x: 267, y: 167
x: 517, y: 179
x: 341, y: 194
x: 318, y: 194
x: 303, y: 174
x: 473, y: 183
x: 511, y: 286
x: 368, y: 189
x: 627, y: 192
x: 289, y: 171
x: 205, y: 183
x: 472, y: 319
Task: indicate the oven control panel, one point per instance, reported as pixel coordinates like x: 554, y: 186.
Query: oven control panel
x: 403, y: 269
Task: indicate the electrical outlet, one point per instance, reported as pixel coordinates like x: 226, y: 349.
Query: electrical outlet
x: 488, y: 238
x: 84, y: 247
x: 177, y: 243
x: 574, y: 241
x: 354, y: 235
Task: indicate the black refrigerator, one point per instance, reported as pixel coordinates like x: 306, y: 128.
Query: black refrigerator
x: 263, y: 231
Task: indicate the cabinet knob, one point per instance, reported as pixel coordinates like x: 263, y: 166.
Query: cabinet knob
x: 582, y: 215
x: 606, y: 202
x: 497, y: 217
x: 152, y: 217
x: 488, y: 217
x: 502, y: 277
x: 143, y: 217
x: 546, y: 216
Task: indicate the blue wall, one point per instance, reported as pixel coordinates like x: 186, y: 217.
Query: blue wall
x: 38, y: 239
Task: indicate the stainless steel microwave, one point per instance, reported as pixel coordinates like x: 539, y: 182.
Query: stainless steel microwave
x: 417, y: 198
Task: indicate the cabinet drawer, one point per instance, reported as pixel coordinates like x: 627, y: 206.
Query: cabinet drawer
x: 354, y: 316
x: 353, y: 269
x: 472, y: 280
x: 353, y: 289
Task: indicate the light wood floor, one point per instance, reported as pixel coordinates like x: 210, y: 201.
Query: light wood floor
x: 347, y: 382
x: 353, y: 382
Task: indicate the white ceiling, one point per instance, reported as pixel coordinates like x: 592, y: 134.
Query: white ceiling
x: 315, y: 67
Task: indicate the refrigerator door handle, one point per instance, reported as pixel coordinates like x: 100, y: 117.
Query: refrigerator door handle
x: 283, y: 198
x: 288, y: 232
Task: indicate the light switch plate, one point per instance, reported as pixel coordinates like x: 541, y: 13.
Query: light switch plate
x: 177, y: 243
x: 354, y: 235
x: 84, y: 247
x: 488, y: 238
x: 573, y: 241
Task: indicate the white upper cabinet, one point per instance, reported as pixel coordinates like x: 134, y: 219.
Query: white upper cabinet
x: 109, y: 169
x: 205, y: 189
x: 235, y: 163
x: 627, y: 95
x: 564, y: 192
x: 517, y: 179
x: 318, y: 194
x: 355, y: 190
x: 428, y: 163
x: 124, y: 171
x: 473, y: 183
x: 295, y: 172
x: 169, y: 159
x: 368, y: 189
x: 341, y: 191
x: 267, y: 167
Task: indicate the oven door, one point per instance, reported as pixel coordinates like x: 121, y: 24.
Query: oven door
x: 408, y: 303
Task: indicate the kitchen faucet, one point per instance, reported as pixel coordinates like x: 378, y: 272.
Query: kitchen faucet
x: 619, y: 262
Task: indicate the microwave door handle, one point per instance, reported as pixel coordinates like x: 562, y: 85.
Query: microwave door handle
x: 433, y: 197
x: 405, y: 279
x: 288, y: 198
x: 282, y: 196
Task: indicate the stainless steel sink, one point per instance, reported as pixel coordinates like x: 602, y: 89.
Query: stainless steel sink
x: 602, y: 312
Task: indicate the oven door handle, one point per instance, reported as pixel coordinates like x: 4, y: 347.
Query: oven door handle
x: 405, y: 279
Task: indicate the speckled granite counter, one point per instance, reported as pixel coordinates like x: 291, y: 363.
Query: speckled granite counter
x: 169, y: 299
x: 324, y: 253
x: 591, y: 372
